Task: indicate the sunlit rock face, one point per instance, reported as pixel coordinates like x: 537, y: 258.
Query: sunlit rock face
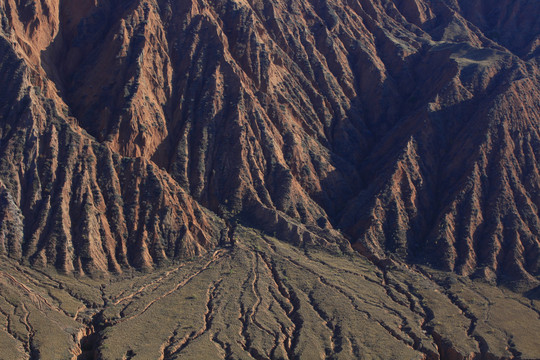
x: 137, y: 132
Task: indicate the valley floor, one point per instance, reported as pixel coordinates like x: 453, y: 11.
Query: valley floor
x: 264, y: 299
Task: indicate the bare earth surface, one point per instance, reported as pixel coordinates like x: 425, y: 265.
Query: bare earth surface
x: 269, y: 179
x: 264, y: 299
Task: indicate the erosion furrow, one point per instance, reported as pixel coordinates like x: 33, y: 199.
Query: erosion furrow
x: 243, y: 314
x: 274, y: 348
x: 298, y: 322
x: 368, y: 315
x: 335, y: 268
x: 176, y: 288
x: 512, y: 349
x: 357, y: 307
x: 285, y: 330
x: 155, y: 283
x: 30, y: 330
x: 256, y: 291
x: 471, y: 331
x: 335, y: 337
x: 284, y: 302
x: 169, y: 347
x: 390, y: 292
x: 278, y: 284
x: 399, y: 288
x: 225, y: 347
x: 427, y: 316
x: 13, y: 334
x: 355, y: 348
x: 207, y: 322
x: 39, y: 297
x: 291, y: 309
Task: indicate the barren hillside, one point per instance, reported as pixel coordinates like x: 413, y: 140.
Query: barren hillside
x: 137, y: 134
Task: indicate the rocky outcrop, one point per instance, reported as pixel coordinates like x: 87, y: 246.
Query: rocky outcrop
x: 408, y: 127
x: 76, y: 204
x: 463, y: 191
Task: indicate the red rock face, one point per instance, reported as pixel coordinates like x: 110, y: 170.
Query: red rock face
x: 131, y: 129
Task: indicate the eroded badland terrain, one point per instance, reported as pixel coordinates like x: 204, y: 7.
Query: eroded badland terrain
x: 265, y: 299
x: 249, y: 179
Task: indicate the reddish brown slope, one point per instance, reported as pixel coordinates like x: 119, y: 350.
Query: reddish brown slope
x: 463, y: 192
x: 71, y: 202
x: 409, y: 125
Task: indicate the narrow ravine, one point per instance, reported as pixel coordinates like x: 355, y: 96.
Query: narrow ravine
x: 89, y: 339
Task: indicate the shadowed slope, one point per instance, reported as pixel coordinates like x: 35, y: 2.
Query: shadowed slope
x: 410, y: 126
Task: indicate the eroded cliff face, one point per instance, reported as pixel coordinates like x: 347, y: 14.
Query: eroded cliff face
x: 407, y: 127
x: 68, y: 200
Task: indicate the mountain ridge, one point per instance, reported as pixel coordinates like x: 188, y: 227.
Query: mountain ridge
x: 301, y: 119
x: 269, y: 179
